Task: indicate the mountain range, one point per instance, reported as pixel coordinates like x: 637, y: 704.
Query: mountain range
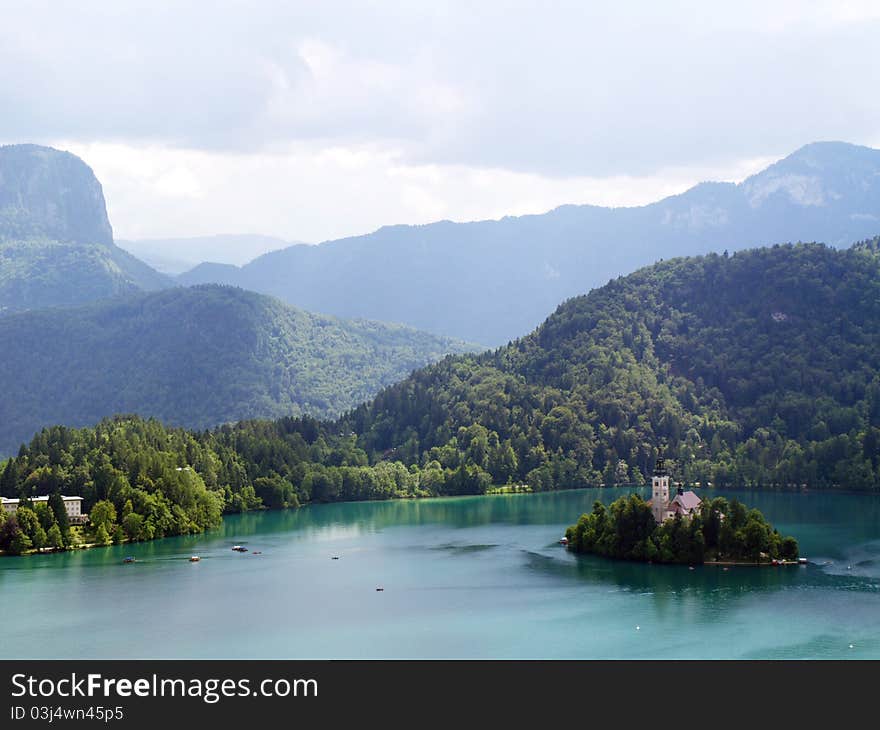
x: 492, y: 281
x: 681, y: 351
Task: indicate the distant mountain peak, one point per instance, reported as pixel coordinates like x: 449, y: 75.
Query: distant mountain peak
x: 48, y: 193
x: 825, y: 157
x: 817, y: 175
x: 830, y: 152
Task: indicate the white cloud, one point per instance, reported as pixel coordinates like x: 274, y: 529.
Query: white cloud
x: 558, y: 88
x: 179, y: 182
x: 313, y: 120
x: 311, y: 192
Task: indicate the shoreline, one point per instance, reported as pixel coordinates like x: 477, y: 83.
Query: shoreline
x: 752, y: 564
x: 493, y: 492
x: 712, y: 563
x: 52, y: 551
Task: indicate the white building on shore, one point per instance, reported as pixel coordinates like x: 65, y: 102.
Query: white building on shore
x: 72, y: 505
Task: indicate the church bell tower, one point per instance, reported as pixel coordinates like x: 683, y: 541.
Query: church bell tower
x: 659, y: 490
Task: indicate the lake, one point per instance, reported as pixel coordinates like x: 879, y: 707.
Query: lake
x: 469, y: 577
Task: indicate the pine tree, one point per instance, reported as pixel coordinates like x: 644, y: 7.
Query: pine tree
x: 9, y: 480
x: 53, y: 537
x: 56, y: 504
x: 20, y: 543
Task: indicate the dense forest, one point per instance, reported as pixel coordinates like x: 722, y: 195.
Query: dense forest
x: 36, y: 273
x: 195, y: 357
x: 723, y: 531
x: 754, y: 369
x: 141, y: 480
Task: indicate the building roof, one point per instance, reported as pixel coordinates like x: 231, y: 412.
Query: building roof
x: 688, y: 500
x: 668, y: 505
x: 44, y: 498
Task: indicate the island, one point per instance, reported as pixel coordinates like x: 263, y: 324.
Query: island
x: 684, y: 529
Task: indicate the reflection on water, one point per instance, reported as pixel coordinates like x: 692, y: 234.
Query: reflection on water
x: 514, y: 509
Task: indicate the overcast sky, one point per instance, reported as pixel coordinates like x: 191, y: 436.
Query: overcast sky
x: 314, y: 120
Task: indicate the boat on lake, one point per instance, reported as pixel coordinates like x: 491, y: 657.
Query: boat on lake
x: 128, y: 559
x: 194, y: 559
x: 239, y: 548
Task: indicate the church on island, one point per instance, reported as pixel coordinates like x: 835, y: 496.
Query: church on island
x: 684, y: 503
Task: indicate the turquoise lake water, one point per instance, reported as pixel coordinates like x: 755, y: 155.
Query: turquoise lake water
x: 470, y: 577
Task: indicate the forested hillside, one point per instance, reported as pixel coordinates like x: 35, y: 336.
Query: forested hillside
x: 195, y: 357
x: 39, y: 273
x: 755, y: 368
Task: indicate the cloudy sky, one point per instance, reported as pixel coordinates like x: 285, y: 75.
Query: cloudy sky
x: 315, y: 120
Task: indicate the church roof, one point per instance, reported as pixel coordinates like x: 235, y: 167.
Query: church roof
x: 688, y: 500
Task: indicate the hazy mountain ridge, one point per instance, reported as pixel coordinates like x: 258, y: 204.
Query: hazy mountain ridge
x: 490, y: 281
x: 177, y: 255
x: 196, y: 357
